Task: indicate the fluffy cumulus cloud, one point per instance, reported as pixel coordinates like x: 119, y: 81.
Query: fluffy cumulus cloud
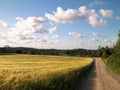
x: 75, y: 35
x: 82, y: 13
x: 53, y: 30
x: 70, y: 15
x: 87, y: 12
x: 94, y: 21
x: 92, y: 17
x: 62, y: 16
x: 106, y: 13
x: 28, y: 26
x: 26, y: 30
x: 3, y: 24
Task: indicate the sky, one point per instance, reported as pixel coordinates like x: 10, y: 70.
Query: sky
x: 59, y: 24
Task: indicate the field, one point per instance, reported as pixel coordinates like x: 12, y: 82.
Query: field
x: 33, y: 72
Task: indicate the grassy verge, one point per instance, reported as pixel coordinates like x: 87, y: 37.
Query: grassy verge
x: 33, y: 72
x: 113, y: 62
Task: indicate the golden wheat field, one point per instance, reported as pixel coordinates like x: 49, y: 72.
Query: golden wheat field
x: 36, y: 72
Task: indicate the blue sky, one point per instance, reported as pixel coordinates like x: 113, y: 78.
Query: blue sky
x: 59, y: 24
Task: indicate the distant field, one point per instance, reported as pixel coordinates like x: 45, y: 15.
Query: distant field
x: 33, y: 72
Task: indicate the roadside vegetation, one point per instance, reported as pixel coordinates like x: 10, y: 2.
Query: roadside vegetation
x: 40, y: 72
x: 111, y: 56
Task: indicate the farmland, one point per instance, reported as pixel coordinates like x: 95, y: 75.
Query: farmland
x: 39, y: 72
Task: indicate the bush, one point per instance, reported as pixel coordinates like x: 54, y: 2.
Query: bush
x: 113, y: 63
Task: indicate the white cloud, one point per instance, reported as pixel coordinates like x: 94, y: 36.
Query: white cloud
x: 28, y: 26
x: 27, y: 31
x: 93, y: 40
x: 75, y: 35
x: 106, y: 13
x: 117, y: 17
x: 53, y: 30
x: 82, y: 13
x: 94, y: 21
x: 3, y: 24
x: 62, y: 16
x: 70, y: 15
x: 87, y: 12
x: 96, y: 3
x: 56, y: 37
x: 24, y: 30
x: 92, y: 17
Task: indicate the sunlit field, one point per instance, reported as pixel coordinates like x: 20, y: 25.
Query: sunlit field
x: 33, y: 72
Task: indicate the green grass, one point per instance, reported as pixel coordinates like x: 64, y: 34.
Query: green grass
x: 33, y: 72
x: 113, y: 62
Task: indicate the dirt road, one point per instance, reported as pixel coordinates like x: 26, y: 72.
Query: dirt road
x: 100, y: 78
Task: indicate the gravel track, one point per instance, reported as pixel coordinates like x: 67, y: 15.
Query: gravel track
x: 100, y: 78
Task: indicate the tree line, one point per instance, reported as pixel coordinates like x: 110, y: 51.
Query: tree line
x: 24, y: 50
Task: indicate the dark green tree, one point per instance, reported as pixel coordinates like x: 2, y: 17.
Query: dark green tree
x: 104, y: 51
